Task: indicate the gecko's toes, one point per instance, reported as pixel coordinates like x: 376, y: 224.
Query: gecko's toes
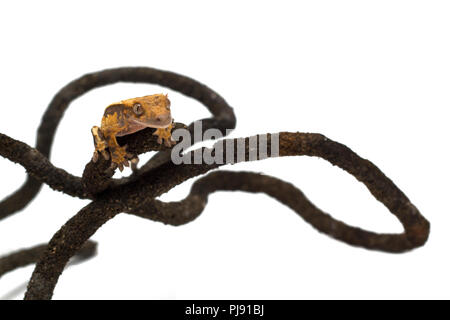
x: 95, y: 157
x: 123, y: 163
x: 159, y: 139
x: 169, y: 142
x: 134, y: 162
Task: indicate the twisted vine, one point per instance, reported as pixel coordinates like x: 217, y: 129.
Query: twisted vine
x: 137, y: 194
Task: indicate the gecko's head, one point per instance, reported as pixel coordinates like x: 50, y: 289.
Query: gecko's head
x: 150, y: 111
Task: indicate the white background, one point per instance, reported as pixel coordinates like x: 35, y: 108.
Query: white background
x: 373, y: 75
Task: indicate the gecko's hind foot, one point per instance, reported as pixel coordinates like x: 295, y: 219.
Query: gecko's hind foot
x: 95, y: 157
x: 104, y: 153
x: 100, y: 144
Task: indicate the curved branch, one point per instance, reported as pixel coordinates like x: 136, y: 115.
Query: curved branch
x: 24, y: 257
x: 20, y: 198
x: 177, y: 213
x: 40, y: 168
x: 223, y: 116
x: 128, y: 197
x: 310, y: 144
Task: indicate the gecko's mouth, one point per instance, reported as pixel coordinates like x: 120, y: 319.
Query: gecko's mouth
x: 159, y: 123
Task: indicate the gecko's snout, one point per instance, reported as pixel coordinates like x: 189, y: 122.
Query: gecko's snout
x: 163, y: 119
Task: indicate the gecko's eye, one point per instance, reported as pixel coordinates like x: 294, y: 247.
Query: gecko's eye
x: 137, y: 109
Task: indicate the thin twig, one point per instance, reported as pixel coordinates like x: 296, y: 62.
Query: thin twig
x: 24, y: 257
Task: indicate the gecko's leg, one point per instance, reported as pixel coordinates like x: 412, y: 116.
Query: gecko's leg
x: 99, y: 143
x: 165, y: 134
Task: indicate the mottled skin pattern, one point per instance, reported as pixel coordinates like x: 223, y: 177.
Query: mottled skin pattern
x: 127, y: 117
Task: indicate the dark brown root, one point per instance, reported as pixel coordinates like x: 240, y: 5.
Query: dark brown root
x: 137, y: 194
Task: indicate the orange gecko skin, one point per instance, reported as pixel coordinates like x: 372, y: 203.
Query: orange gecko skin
x: 127, y: 117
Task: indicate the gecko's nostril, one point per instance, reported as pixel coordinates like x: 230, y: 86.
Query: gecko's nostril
x: 162, y: 118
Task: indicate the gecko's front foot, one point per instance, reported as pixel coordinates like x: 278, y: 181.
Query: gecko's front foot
x: 165, y: 134
x: 120, y: 158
